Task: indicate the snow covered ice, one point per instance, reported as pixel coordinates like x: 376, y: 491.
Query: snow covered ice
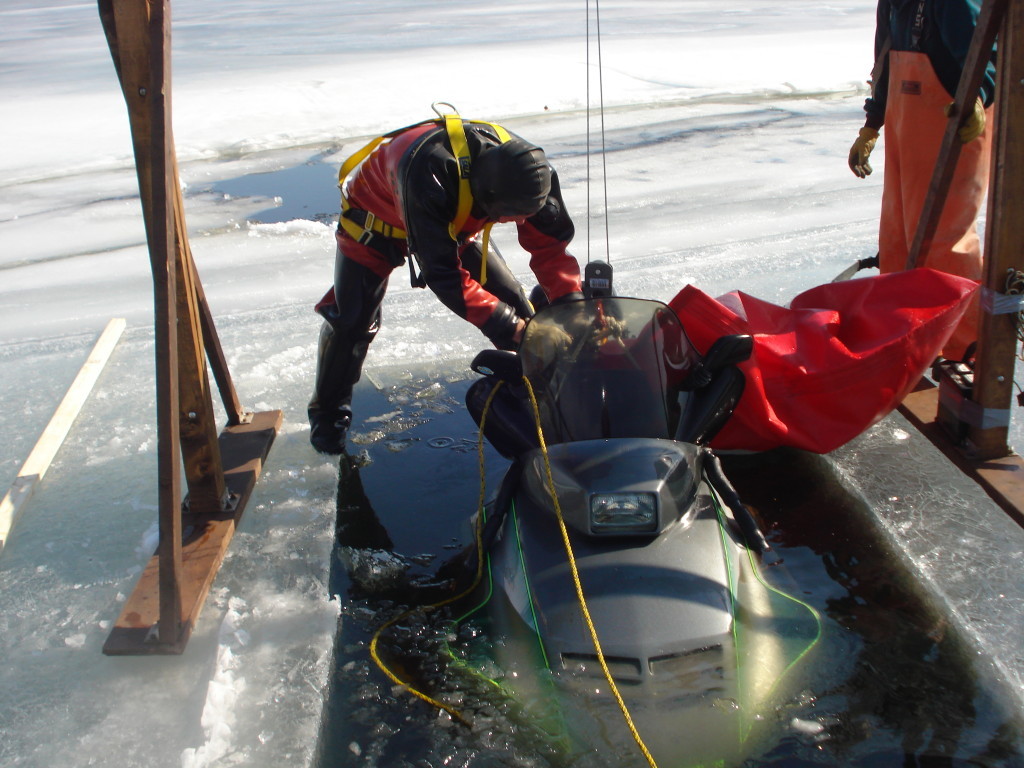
x: 726, y: 129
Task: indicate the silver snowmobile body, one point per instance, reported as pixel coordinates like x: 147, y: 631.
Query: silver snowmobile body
x: 660, y: 548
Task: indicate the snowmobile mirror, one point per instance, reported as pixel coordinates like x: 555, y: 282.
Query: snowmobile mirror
x: 498, y: 362
x: 726, y: 351
x: 729, y: 350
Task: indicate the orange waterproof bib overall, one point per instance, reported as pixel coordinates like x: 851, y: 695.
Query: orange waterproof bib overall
x: 914, y: 127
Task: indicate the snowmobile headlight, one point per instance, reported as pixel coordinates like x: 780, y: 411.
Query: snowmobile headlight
x: 623, y: 512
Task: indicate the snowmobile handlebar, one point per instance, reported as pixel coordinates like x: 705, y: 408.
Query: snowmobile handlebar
x: 502, y: 363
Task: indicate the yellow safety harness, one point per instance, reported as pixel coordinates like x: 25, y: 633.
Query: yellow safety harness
x: 371, y: 225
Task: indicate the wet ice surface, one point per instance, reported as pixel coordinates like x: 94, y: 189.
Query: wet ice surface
x: 248, y: 685
x: 968, y: 552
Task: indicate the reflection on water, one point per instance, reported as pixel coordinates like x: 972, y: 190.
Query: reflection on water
x: 305, y: 191
x: 902, y: 691
x: 893, y: 686
x: 373, y: 722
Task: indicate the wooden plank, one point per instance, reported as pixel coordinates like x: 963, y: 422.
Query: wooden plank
x: 218, y: 360
x: 244, y: 450
x: 52, y: 437
x: 197, y: 425
x: 1001, y: 478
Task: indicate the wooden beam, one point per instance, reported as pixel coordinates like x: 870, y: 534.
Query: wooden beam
x: 1002, y: 478
x: 52, y: 437
x: 244, y: 448
x: 218, y: 361
x: 138, y: 35
x: 197, y: 425
x: 996, y: 358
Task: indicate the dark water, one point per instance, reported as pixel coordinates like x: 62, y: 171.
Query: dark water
x: 306, y: 191
x: 891, y: 684
x: 901, y: 688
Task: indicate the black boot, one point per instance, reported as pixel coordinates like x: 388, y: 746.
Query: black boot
x: 339, y: 362
x: 351, y: 323
x: 328, y: 429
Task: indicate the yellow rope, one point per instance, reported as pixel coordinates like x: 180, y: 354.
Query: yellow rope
x: 476, y: 581
x: 398, y: 681
x: 579, y: 586
x: 479, y: 573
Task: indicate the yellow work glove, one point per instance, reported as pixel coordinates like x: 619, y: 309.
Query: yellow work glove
x: 975, y: 124
x: 861, y: 151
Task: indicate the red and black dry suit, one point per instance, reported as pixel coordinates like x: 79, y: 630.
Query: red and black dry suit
x: 411, y: 182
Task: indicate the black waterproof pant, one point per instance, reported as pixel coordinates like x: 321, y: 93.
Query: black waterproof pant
x: 345, y: 336
x: 355, y: 319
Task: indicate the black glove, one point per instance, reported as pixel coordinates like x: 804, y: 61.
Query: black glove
x: 501, y: 327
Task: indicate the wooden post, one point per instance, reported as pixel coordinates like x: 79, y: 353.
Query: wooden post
x: 988, y: 459
x: 162, y: 611
x: 138, y: 37
x: 993, y: 374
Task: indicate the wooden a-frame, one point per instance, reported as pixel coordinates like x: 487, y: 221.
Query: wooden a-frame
x: 220, y: 472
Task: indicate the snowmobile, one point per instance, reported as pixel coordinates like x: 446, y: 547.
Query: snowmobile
x: 619, y: 558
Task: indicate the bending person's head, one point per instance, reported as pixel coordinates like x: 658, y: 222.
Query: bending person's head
x: 511, y: 180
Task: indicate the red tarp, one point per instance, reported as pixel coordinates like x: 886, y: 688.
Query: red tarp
x: 834, y: 363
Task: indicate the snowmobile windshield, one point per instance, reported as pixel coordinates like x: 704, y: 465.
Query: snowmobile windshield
x: 606, y: 368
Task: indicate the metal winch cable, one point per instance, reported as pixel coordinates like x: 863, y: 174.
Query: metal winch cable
x: 604, y: 160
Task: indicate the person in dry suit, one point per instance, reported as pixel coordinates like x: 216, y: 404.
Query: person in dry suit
x: 429, y: 193
x: 920, y: 49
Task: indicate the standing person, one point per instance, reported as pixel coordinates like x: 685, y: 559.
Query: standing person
x: 920, y: 48
x: 425, y: 193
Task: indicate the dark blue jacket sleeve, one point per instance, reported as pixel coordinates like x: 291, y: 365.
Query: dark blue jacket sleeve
x: 946, y: 39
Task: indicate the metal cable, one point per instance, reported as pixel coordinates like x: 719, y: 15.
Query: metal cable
x: 604, y: 154
x: 587, y: 67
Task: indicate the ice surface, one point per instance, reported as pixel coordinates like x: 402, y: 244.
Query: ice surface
x: 965, y: 549
x: 726, y: 133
